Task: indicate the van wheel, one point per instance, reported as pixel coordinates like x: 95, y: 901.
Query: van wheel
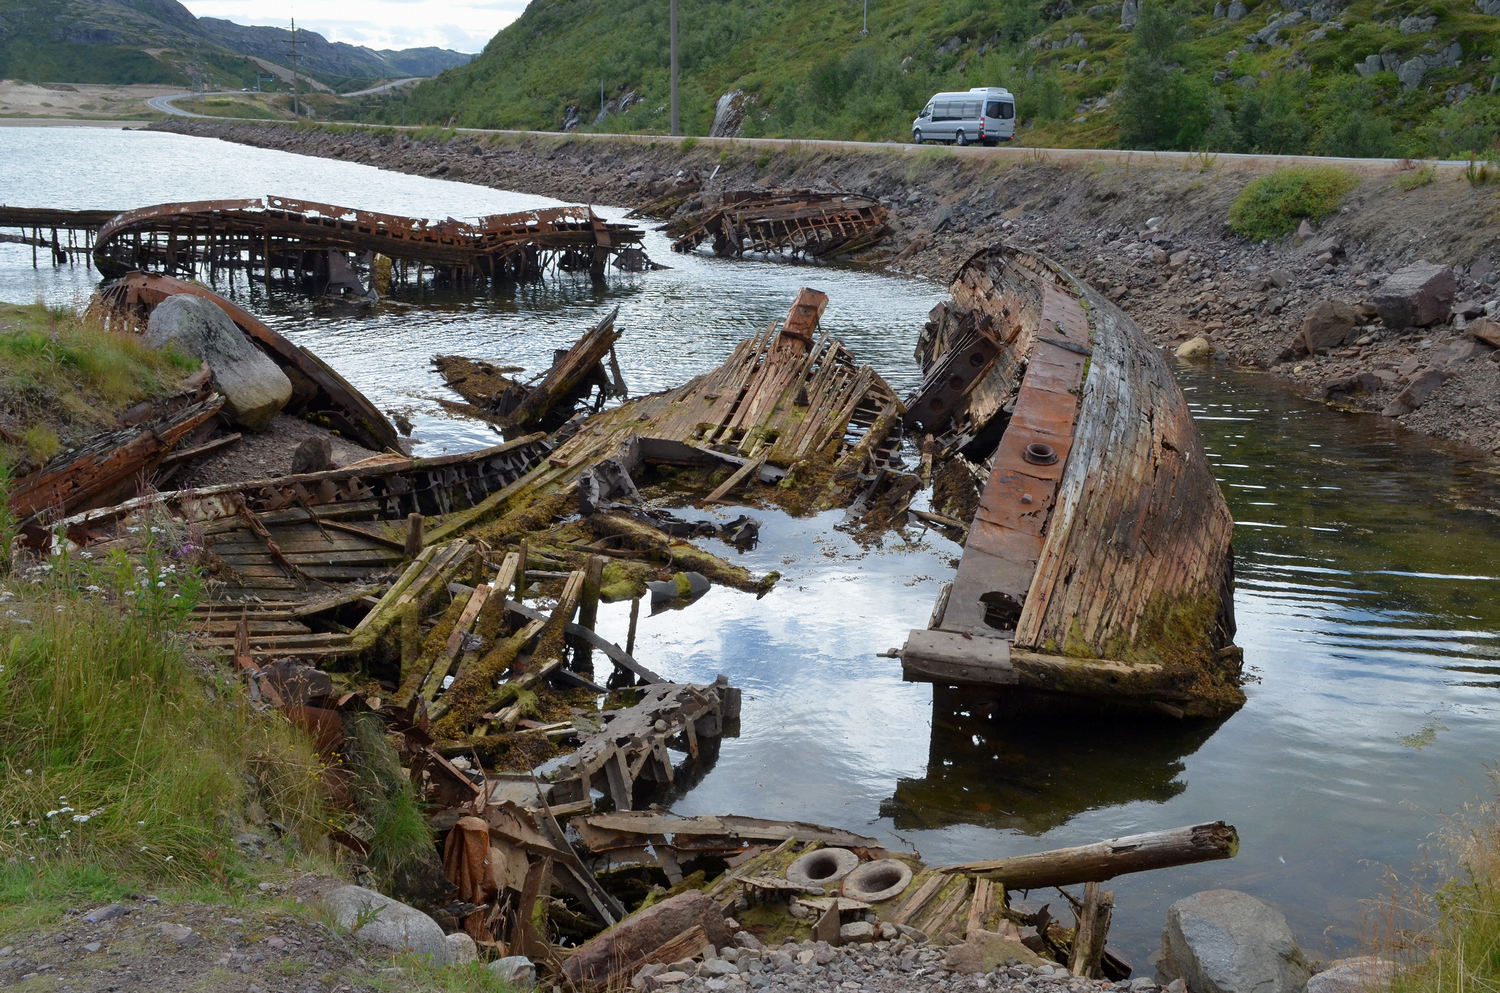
x: 916, y: 136
x: 961, y: 139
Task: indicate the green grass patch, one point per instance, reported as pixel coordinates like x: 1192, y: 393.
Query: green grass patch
x: 1415, y: 178
x: 62, y: 376
x: 122, y: 753
x: 1273, y: 205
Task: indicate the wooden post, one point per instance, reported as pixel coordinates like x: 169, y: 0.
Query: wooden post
x: 1093, y: 925
x: 521, y: 573
x: 635, y: 615
x: 414, y: 527
x: 588, y: 611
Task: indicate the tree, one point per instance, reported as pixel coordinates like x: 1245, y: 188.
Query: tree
x: 1158, y: 106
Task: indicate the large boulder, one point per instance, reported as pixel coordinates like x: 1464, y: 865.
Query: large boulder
x: 1417, y: 296
x: 627, y: 944
x: 1327, y: 325
x: 376, y: 920
x: 1364, y: 974
x: 254, y: 388
x: 1225, y: 941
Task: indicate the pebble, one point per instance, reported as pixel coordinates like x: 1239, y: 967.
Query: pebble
x: 880, y: 967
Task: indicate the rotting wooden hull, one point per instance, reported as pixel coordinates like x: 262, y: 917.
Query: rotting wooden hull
x: 1099, y: 562
x: 350, y: 411
x: 794, y: 222
x: 281, y: 551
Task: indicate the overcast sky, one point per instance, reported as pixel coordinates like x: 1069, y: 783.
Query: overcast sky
x: 462, y: 25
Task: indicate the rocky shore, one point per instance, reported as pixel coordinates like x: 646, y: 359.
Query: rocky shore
x: 1153, y: 237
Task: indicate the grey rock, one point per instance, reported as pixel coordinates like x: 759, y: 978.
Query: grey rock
x: 180, y: 934
x: 1225, y: 941
x: 462, y: 949
x: 375, y: 919
x: 1129, y: 11
x: 1416, y: 393
x: 1419, y: 295
x: 1417, y: 25
x: 108, y: 912
x: 1353, y: 975
x: 254, y: 388
x: 517, y: 970
x: 313, y: 454
x: 857, y: 932
x: 662, y: 980
x: 1237, y: 11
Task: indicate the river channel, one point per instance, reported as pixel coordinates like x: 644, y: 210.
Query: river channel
x: 1368, y: 575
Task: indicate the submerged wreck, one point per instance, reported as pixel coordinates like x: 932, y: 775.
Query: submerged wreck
x: 1098, y: 561
x: 332, y: 247
x: 783, y: 222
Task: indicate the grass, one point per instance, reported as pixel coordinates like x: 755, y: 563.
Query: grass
x: 62, y: 375
x: 1273, y: 205
x: 119, y: 748
x: 1458, y: 949
x: 1415, y: 178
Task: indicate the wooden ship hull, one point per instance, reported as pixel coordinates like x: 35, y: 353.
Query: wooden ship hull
x: 1098, y: 564
x: 286, y: 555
x: 794, y: 223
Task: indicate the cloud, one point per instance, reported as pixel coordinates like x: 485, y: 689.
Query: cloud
x: 464, y: 25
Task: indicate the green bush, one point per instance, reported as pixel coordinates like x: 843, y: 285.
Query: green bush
x: 1272, y: 205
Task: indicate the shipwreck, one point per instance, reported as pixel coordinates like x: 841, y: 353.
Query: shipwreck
x: 1097, y: 563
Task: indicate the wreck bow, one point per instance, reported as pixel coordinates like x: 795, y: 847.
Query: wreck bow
x: 1099, y: 560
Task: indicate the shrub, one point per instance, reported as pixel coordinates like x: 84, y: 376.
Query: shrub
x: 1272, y: 205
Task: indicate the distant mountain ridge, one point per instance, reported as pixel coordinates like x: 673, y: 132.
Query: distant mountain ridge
x: 161, y: 41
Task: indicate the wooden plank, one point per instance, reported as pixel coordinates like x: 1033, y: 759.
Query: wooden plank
x: 1107, y: 859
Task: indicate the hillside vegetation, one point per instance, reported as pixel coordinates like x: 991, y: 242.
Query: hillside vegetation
x: 160, y: 41
x: 1367, y: 77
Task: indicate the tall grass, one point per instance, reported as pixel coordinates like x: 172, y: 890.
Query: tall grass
x: 1459, y: 949
x: 1272, y: 205
x: 118, y: 748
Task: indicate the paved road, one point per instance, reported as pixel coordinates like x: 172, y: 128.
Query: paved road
x: 164, y: 105
x: 385, y: 86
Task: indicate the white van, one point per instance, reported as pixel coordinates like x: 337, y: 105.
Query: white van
x: 986, y: 114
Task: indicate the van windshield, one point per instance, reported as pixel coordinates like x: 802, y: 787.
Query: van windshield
x: 1004, y: 111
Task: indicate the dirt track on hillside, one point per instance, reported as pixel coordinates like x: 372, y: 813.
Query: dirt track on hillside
x: 1153, y: 237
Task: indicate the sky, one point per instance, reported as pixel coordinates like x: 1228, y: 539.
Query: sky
x: 462, y: 25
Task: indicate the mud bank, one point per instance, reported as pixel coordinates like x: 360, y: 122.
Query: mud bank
x: 1153, y: 238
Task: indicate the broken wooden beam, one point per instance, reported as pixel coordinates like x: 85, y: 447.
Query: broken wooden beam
x: 1107, y: 859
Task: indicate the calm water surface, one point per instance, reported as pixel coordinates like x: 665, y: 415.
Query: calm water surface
x: 1368, y: 567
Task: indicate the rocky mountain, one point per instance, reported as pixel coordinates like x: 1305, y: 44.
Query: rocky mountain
x: 160, y: 41
x: 1357, y: 77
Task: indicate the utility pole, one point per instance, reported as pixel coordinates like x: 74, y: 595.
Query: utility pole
x: 293, y: 43
x: 672, y: 19
x: 865, y: 28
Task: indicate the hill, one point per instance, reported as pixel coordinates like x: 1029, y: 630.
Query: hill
x: 160, y: 41
x: 1360, y: 77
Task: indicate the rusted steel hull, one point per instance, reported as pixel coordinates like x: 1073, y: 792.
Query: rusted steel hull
x: 349, y: 411
x: 1099, y: 560
x: 295, y: 236
x: 791, y: 223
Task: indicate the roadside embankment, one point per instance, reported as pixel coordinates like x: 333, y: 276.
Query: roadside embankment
x: 1153, y: 237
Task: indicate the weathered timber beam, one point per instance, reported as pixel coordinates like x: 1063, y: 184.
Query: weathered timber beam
x: 1107, y: 859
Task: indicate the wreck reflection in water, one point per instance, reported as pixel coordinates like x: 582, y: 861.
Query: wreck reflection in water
x: 1368, y: 601
x: 1016, y: 773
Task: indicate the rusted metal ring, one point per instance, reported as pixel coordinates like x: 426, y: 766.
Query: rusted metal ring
x: 1039, y: 453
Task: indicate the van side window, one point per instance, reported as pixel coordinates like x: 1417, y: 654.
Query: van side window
x: 940, y: 111
x: 1004, y: 111
x: 971, y: 110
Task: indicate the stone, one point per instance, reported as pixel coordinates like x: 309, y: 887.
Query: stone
x: 1353, y: 975
x: 857, y: 932
x: 1327, y: 325
x: 1363, y: 382
x: 376, y: 920
x: 462, y: 949
x: 1237, y: 11
x: 1416, y: 393
x: 1225, y: 941
x: 639, y: 934
x: 108, y: 912
x: 985, y: 951
x: 313, y: 454
x: 718, y: 967
x: 517, y: 971
x: 255, y: 389
x: 180, y: 934
x: 1487, y: 330
x: 1419, y: 295
x: 1196, y: 349
x: 683, y: 586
